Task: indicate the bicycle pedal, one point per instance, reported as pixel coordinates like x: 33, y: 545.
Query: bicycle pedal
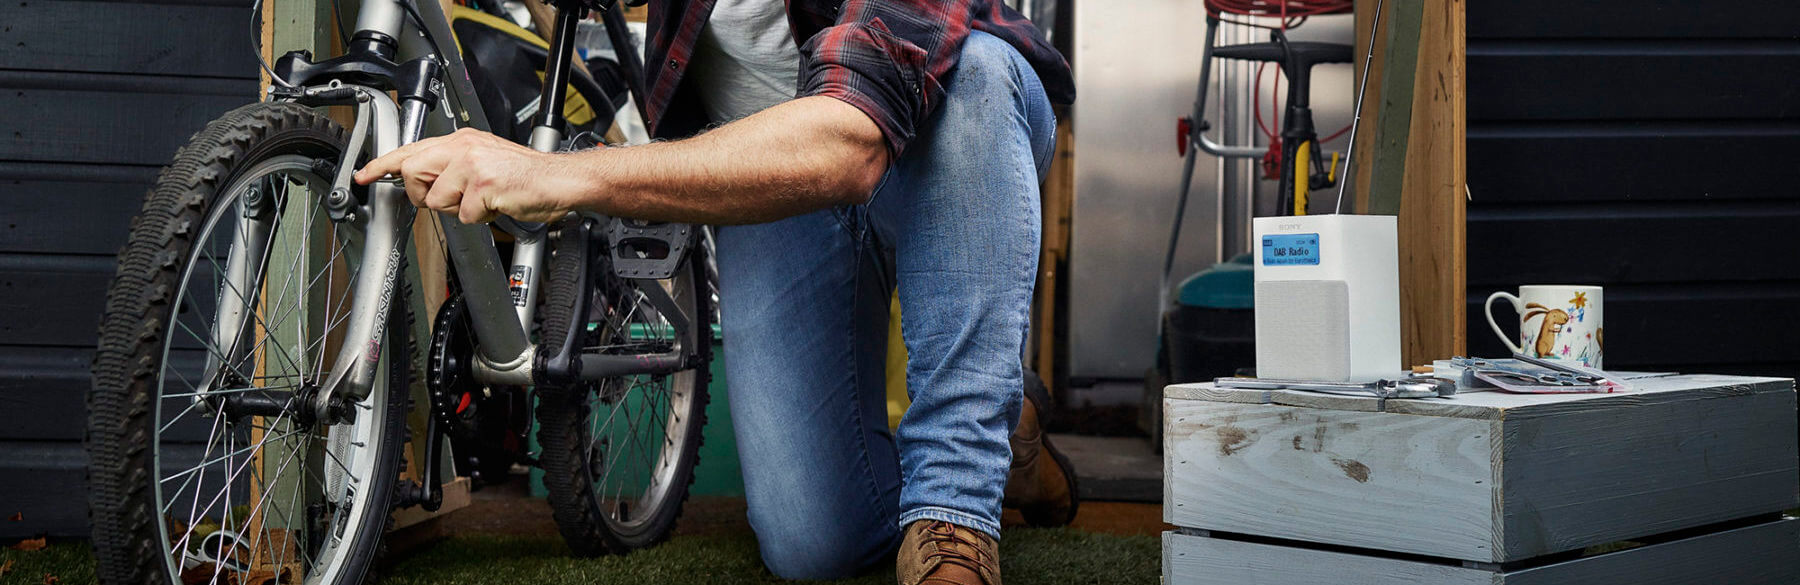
x: 647, y: 250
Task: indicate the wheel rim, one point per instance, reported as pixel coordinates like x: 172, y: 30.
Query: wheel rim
x: 256, y: 493
x: 637, y: 426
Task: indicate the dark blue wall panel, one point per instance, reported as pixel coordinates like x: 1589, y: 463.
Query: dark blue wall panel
x: 94, y: 98
x: 1648, y: 146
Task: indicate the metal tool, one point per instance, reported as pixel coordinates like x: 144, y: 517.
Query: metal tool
x: 1526, y: 374
x: 1406, y: 388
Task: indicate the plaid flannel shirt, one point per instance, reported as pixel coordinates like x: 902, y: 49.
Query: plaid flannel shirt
x: 889, y: 58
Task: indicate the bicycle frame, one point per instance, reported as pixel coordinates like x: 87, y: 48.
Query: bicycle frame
x: 500, y: 308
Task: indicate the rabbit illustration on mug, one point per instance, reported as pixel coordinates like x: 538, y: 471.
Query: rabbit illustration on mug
x: 1572, y: 332
x: 1554, y: 319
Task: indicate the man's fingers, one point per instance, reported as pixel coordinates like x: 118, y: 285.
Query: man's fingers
x: 424, y: 168
x: 474, y: 210
x: 394, y: 161
x: 446, y: 192
x: 389, y: 164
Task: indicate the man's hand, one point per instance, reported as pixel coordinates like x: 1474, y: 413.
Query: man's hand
x: 476, y: 175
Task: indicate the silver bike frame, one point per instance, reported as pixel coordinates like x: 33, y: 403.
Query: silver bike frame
x: 498, y: 317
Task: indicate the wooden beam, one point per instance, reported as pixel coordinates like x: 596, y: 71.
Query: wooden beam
x: 309, y: 24
x: 1057, y: 198
x: 1400, y: 33
x: 1428, y: 157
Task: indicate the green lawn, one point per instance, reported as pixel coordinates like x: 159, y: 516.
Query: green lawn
x: 1061, y: 556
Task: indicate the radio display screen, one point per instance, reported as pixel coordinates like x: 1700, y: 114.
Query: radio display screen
x: 1290, y: 250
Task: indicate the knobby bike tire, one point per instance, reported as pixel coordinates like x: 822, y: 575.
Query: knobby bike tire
x: 139, y: 308
x: 569, y: 475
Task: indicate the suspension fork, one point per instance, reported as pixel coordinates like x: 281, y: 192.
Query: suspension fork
x: 502, y: 347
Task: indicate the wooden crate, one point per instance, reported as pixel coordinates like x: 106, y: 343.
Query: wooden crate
x: 1760, y: 554
x: 1484, y: 477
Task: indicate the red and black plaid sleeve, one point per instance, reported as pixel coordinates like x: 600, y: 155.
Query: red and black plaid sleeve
x: 892, y: 58
x: 889, y: 58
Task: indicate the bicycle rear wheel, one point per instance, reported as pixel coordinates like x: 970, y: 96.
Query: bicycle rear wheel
x: 619, y: 454
x: 206, y: 465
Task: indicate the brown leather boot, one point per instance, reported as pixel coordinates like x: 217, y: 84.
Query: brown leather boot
x: 1042, y: 483
x: 940, y: 553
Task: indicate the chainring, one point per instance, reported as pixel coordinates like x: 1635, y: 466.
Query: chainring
x: 448, y: 376
x: 488, y: 426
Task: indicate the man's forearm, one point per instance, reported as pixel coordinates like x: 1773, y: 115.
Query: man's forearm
x: 799, y: 156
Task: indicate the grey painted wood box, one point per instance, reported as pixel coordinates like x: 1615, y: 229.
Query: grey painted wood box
x: 1487, y: 476
x: 1762, y: 554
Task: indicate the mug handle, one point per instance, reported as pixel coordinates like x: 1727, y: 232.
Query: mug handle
x: 1488, y: 309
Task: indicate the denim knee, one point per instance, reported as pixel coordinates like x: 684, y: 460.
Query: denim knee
x: 800, y: 545
x: 988, y: 65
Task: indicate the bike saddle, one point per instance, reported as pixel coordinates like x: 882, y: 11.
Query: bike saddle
x: 1306, y: 53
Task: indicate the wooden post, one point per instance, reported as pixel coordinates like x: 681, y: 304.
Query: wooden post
x: 309, y: 24
x: 1058, y: 198
x: 1417, y: 170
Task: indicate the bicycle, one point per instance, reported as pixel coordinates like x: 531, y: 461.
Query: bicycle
x: 257, y: 349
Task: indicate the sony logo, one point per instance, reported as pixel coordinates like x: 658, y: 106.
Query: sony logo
x: 1288, y: 226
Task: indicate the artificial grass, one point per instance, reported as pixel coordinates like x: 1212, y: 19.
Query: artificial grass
x: 71, y: 563
x: 1061, y: 556
x: 1028, y: 555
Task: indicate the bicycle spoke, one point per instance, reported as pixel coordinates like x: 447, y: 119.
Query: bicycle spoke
x: 230, y: 391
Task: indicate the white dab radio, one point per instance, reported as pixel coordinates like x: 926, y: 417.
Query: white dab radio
x: 1327, y: 298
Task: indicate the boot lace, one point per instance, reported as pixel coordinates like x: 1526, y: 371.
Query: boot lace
x: 967, y: 552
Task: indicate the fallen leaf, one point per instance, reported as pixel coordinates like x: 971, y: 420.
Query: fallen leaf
x: 30, y: 544
x: 50, y: 579
x: 17, y: 517
x: 198, y: 574
x: 6, y: 567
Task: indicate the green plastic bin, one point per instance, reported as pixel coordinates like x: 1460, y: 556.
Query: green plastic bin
x: 718, y: 473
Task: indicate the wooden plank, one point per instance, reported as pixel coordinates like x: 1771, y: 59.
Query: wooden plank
x: 1423, y: 158
x: 1631, y: 80
x: 1211, y: 392
x: 1373, y: 60
x: 1488, y: 476
x: 52, y: 300
x: 1632, y: 19
x: 1628, y: 161
x: 456, y: 497
x: 42, y: 199
x: 1695, y: 241
x: 119, y: 119
x: 1663, y: 320
x: 1761, y: 554
x: 1327, y: 401
x: 1416, y: 484
x: 1392, y: 125
x: 1652, y: 391
x: 1575, y: 478
x: 186, y: 40
x: 1057, y: 201
x: 45, y: 482
x: 43, y: 392
x: 1198, y: 560
x: 1432, y: 238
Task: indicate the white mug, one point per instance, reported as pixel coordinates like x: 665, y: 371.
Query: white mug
x: 1556, y: 321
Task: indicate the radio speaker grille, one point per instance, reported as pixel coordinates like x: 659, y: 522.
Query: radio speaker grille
x: 1303, y: 330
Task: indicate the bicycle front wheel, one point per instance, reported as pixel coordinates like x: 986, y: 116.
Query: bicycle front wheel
x: 227, y: 311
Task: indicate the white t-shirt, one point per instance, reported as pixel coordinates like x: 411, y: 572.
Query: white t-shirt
x: 745, y: 60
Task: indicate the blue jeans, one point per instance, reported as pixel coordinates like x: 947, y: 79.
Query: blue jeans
x: 805, y: 314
